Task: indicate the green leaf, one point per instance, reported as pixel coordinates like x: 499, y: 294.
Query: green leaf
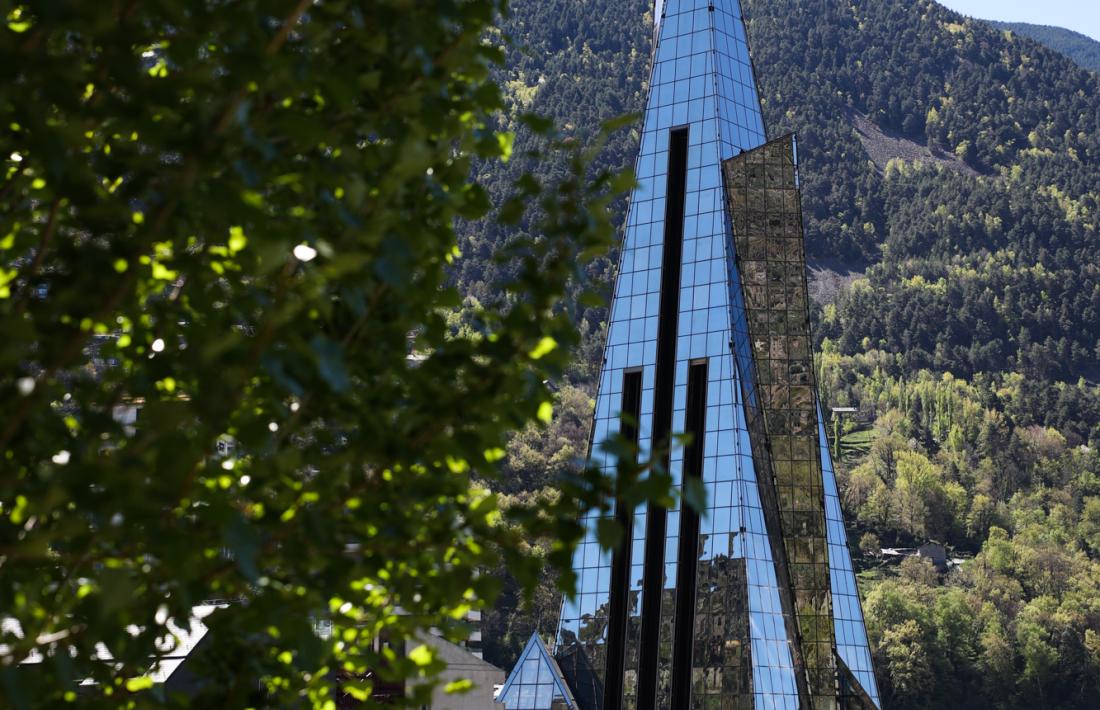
x: 358, y: 689
x: 144, y: 682
x: 627, y: 120
x: 242, y: 541
x: 330, y: 362
x: 540, y: 125
x: 695, y: 494
x: 506, y: 140
x: 464, y: 685
x: 116, y: 590
x: 545, y: 346
x: 609, y: 533
x: 512, y: 211
x: 422, y: 655
x: 237, y: 239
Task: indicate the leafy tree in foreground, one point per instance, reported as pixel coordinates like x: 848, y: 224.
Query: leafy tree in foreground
x: 237, y: 219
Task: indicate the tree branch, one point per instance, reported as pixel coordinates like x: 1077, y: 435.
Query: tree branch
x: 292, y: 19
x: 40, y: 255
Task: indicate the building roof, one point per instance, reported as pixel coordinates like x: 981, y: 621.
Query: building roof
x: 173, y: 648
x: 536, y: 681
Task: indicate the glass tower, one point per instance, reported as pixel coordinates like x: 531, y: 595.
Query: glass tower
x: 752, y: 602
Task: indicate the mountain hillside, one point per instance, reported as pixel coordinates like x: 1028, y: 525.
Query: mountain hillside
x: 1080, y: 48
x: 951, y: 177
x: 978, y: 270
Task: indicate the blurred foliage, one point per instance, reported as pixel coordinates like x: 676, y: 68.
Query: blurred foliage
x: 237, y: 220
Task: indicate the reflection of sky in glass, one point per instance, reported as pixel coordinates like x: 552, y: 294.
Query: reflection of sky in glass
x: 702, y: 79
x: 535, y: 682
x: 851, y: 633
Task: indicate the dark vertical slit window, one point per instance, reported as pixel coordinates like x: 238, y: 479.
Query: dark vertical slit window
x: 664, y: 388
x: 630, y: 413
x: 695, y: 425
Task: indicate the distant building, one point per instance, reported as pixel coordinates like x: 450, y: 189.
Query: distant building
x: 175, y: 648
x: 174, y: 669
x: 462, y: 664
x: 936, y: 554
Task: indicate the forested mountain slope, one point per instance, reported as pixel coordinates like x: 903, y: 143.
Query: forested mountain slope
x: 1080, y: 48
x: 951, y: 174
x: 973, y: 271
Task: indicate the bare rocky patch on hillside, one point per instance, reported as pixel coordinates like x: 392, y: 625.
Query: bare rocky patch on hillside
x: 828, y: 277
x: 883, y: 146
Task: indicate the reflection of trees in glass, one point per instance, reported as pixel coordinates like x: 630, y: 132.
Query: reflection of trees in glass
x: 590, y: 637
x: 763, y: 199
x: 722, y: 658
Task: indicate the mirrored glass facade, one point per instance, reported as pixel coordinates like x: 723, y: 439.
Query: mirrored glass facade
x: 730, y: 607
x: 762, y: 192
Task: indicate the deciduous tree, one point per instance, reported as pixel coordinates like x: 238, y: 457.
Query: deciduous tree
x: 237, y: 219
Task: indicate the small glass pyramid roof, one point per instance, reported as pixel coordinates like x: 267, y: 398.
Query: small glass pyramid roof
x: 536, y: 681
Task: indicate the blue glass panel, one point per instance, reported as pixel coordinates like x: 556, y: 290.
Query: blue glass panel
x: 536, y: 681
x: 851, y: 632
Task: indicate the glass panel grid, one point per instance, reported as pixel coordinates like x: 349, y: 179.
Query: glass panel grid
x: 702, y: 79
x: 767, y: 230
x: 700, y: 54
x: 536, y: 682
x: 851, y: 631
